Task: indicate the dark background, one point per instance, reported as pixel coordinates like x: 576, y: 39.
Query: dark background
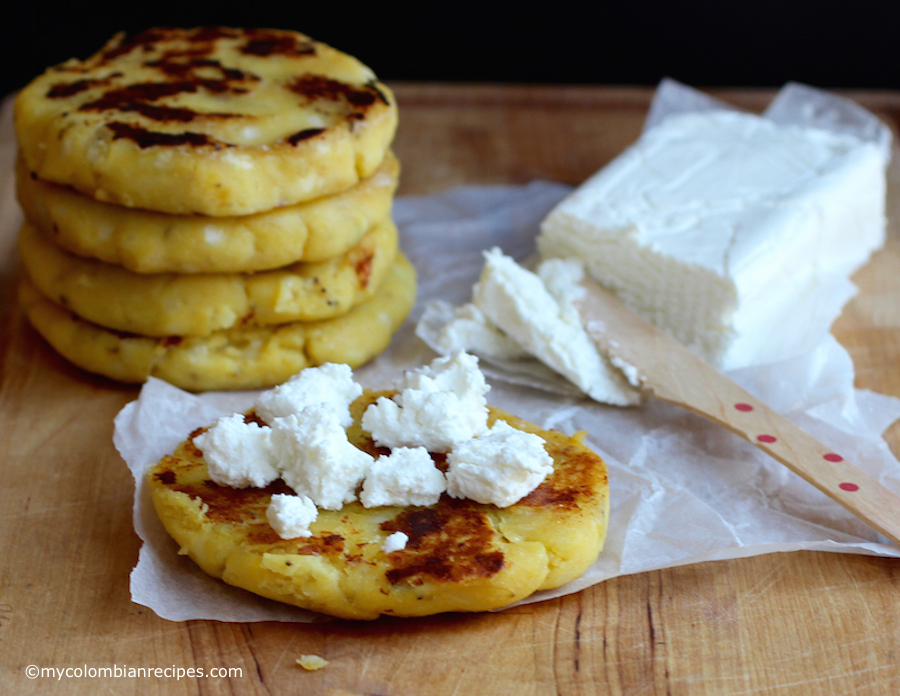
x: 706, y: 43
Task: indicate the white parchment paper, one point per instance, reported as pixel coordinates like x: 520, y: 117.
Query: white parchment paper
x: 682, y: 490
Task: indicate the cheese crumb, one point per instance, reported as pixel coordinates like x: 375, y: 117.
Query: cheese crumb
x: 330, y: 385
x: 500, y: 467
x: 438, y: 406
x: 469, y: 329
x: 291, y: 515
x: 395, y: 542
x: 317, y: 459
x: 537, y: 312
x: 238, y: 454
x: 311, y: 663
x: 407, y: 476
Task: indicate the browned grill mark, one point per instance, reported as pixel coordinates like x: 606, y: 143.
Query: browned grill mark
x: 440, y: 461
x: 450, y: 542
x: 371, y: 84
x: 363, y: 268
x: 172, y: 65
x: 146, y: 39
x: 304, y: 135
x: 320, y: 87
x: 327, y: 544
x: 233, y: 505
x: 252, y: 417
x: 166, y: 477
x: 189, y: 70
x: 144, y: 138
x: 268, y: 43
x: 135, y: 99
x: 68, y: 89
x: 211, y: 33
x: 140, y: 92
x: 571, y: 487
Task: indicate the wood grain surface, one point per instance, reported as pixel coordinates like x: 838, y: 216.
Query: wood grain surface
x: 796, y: 623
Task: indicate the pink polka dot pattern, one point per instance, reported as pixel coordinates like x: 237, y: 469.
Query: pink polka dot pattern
x: 832, y: 457
x: 766, y: 438
x: 743, y: 407
x: 849, y: 487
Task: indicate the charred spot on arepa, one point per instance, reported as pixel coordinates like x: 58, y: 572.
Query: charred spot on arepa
x: 253, y: 417
x: 166, y: 477
x: 328, y: 544
x: 205, y: 37
x: 233, y: 505
x: 266, y: 42
x: 145, y: 138
x: 313, y: 87
x: 363, y: 267
x: 572, y: 486
x: 305, y: 134
x: 69, y: 89
x: 450, y: 542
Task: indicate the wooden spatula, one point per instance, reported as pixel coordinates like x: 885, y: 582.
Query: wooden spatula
x: 672, y: 373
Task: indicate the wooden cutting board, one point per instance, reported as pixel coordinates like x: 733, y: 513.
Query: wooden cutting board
x: 798, y: 623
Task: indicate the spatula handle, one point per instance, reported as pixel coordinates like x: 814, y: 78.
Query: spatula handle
x: 676, y: 375
x: 828, y: 470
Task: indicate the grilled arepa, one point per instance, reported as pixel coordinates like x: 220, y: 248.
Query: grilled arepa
x: 170, y: 304
x: 147, y: 242
x: 461, y: 555
x: 245, y: 357
x: 213, y: 121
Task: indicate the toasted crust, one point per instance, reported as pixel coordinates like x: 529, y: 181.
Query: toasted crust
x: 461, y: 555
x: 148, y: 242
x: 239, y: 358
x: 213, y: 121
x: 169, y: 304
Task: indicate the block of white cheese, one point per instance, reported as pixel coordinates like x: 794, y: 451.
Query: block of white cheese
x: 717, y: 225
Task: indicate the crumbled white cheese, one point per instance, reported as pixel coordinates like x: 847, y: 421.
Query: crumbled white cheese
x: 330, y: 385
x: 407, y: 476
x: 316, y: 458
x: 500, y: 467
x: 395, y: 542
x: 441, y: 407
x: 537, y: 311
x: 291, y: 515
x: 238, y: 454
x: 466, y: 328
x: 438, y: 406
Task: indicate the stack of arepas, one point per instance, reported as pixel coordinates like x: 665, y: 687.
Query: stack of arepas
x: 212, y: 207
